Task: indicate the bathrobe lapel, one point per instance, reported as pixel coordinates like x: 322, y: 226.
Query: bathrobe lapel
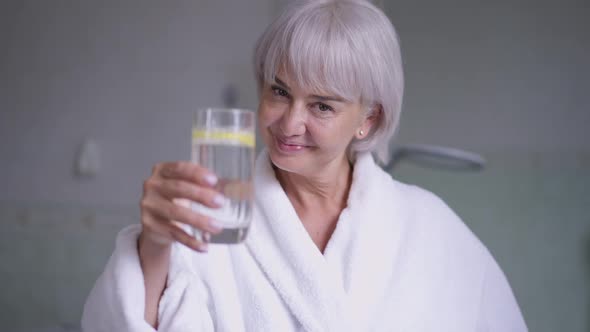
x: 365, y: 245
x: 337, y: 290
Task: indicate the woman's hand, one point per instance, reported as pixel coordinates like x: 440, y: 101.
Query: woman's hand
x: 162, y: 211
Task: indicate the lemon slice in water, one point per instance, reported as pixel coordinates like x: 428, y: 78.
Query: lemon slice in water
x: 223, y: 136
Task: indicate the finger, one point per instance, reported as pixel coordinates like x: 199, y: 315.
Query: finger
x: 154, y: 227
x: 166, y: 209
x: 188, y: 171
x: 172, y: 189
x: 162, y: 227
x: 186, y: 239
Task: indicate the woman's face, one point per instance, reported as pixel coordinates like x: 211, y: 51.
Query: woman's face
x: 307, y: 131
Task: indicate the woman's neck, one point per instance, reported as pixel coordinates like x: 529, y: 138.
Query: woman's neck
x: 326, y: 188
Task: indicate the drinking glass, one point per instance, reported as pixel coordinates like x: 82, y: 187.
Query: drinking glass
x: 223, y: 141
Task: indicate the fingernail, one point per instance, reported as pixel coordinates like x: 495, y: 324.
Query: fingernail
x: 206, y: 237
x: 211, y: 179
x: 215, y: 225
x: 203, y: 247
x: 219, y: 200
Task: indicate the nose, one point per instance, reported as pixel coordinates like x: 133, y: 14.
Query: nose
x: 292, y: 123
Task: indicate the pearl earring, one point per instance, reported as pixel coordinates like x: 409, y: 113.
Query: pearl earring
x: 361, y: 132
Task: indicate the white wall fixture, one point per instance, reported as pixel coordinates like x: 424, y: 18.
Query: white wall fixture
x: 438, y: 157
x: 88, y: 159
x: 230, y: 95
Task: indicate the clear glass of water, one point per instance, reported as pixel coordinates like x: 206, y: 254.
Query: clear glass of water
x: 223, y: 141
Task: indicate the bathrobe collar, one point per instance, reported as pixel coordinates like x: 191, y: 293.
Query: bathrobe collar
x: 340, y: 289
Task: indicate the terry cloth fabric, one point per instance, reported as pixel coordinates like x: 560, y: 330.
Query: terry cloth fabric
x: 398, y: 260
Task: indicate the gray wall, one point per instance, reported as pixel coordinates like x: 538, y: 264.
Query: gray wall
x: 507, y: 79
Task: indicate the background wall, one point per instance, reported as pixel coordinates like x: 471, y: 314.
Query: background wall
x: 507, y: 79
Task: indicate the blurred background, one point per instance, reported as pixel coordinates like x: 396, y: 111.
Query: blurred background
x: 507, y: 79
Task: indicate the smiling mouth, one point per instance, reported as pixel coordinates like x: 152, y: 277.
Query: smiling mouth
x: 289, y: 146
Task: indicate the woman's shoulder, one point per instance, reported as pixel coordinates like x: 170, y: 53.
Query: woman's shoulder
x: 436, y: 242
x: 425, y: 202
x: 432, y: 220
x: 414, y: 197
x: 426, y: 214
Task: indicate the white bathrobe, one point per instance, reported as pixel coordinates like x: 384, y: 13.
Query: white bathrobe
x: 398, y: 260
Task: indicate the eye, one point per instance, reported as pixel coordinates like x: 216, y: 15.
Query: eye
x: 323, y: 108
x: 277, y: 91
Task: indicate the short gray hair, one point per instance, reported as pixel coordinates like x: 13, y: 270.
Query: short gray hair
x: 345, y: 47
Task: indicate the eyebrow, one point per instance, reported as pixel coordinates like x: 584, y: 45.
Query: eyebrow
x: 322, y: 98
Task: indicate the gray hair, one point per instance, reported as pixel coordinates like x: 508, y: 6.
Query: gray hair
x: 345, y: 47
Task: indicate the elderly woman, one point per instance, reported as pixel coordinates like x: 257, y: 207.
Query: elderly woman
x: 336, y: 244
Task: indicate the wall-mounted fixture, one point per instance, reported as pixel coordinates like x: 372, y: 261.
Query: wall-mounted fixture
x: 438, y: 157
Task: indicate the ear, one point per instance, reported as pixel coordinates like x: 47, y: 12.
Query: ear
x: 372, y: 117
